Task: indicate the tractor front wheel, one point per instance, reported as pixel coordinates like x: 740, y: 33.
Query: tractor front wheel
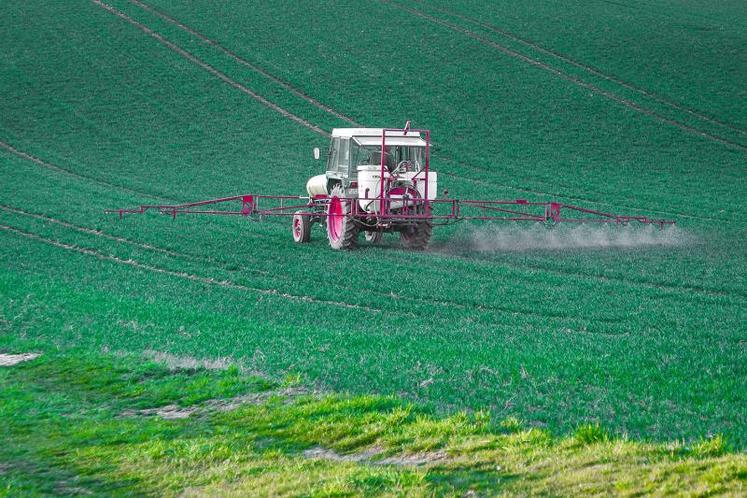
x: 342, y: 231
x: 302, y: 227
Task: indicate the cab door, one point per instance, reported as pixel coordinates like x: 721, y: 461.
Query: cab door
x: 338, y: 162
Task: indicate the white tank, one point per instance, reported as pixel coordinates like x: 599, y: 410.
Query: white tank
x: 369, y: 185
x: 317, y: 185
x: 432, y: 184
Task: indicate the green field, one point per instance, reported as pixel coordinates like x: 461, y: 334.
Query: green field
x: 637, y: 107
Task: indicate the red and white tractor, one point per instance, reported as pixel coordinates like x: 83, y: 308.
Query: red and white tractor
x: 377, y: 180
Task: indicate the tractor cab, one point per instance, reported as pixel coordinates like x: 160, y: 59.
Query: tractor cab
x: 377, y: 180
x: 357, y: 155
x: 408, y: 154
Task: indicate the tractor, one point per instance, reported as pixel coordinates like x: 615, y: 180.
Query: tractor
x: 376, y: 181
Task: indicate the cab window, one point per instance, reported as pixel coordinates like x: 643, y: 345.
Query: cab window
x: 343, y: 156
x: 334, y: 146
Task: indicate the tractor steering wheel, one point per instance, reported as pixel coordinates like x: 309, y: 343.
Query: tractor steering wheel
x: 406, y: 164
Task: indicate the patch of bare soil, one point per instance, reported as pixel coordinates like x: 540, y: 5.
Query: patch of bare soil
x: 9, y: 360
x: 320, y: 453
x: 414, y: 459
x: 229, y: 404
x: 168, y: 412
x: 176, y: 362
x: 369, y: 456
x: 173, y: 412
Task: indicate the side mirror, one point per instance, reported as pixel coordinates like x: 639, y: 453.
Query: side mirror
x: 316, y: 153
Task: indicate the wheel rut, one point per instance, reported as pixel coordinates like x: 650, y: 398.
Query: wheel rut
x: 121, y: 240
x: 568, y: 77
x: 254, y: 67
x: 67, y: 172
x: 207, y: 67
x: 182, y: 275
x: 336, y: 113
x: 591, y: 69
x: 384, y: 295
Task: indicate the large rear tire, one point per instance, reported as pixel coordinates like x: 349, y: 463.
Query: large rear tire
x: 301, y: 227
x: 417, y: 236
x: 342, y: 231
x: 373, y: 237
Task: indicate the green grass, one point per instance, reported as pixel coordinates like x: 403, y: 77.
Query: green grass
x: 75, y: 426
x: 644, y: 343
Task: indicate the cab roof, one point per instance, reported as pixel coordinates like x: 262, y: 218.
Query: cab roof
x: 372, y: 136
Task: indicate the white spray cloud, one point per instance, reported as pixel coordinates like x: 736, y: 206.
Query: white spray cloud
x: 516, y: 237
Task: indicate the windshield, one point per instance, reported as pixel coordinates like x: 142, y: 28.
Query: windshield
x: 407, y: 157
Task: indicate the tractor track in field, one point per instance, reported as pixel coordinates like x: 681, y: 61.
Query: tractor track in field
x: 207, y: 67
x: 223, y: 265
x: 590, y: 69
x: 568, y: 77
x: 336, y: 113
x: 680, y: 289
x: 181, y: 255
x: 196, y: 258
x: 175, y: 254
x: 227, y: 284
x: 272, y: 292
x: 92, y: 179
x: 235, y: 56
x: 399, y: 297
x: 121, y: 240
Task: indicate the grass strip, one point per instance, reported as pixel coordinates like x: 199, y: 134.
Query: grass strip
x: 82, y: 422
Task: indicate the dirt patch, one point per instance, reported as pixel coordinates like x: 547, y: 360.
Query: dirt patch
x: 414, y: 459
x: 369, y: 456
x: 67, y: 489
x: 175, y: 362
x: 225, y: 405
x: 174, y: 412
x: 168, y: 412
x: 319, y: 453
x: 8, y: 360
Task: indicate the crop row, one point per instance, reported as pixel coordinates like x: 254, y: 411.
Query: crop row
x: 506, y: 366
x: 134, y: 167
x: 627, y: 179
x: 105, y: 115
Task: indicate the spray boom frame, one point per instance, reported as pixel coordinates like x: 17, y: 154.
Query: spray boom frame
x: 440, y: 211
x: 410, y: 209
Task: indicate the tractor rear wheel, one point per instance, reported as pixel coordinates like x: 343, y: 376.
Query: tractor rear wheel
x: 373, y: 237
x: 302, y: 227
x: 342, y: 231
x: 417, y: 236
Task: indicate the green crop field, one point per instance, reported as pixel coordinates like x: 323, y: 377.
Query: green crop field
x: 638, y: 336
